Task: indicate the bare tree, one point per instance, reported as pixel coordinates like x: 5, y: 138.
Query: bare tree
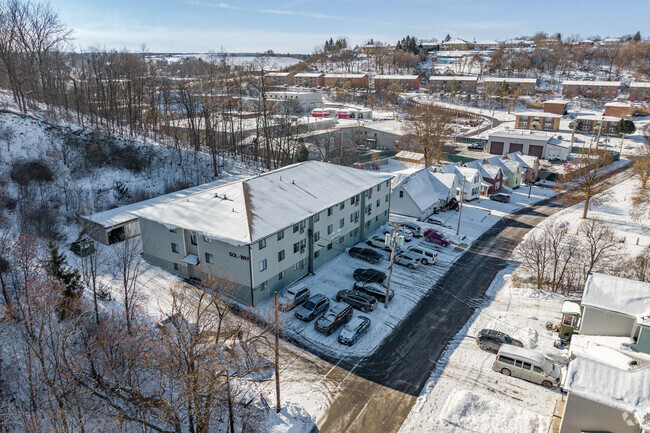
x: 429, y: 126
x: 599, y: 242
x: 128, y: 267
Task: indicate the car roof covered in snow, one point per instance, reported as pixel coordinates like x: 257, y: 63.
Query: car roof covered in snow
x: 618, y: 294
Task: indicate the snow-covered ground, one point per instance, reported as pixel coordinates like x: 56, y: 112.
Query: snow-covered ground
x: 464, y: 394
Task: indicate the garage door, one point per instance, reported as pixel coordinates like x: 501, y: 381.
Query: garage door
x: 516, y: 147
x: 537, y: 151
x: 496, y: 148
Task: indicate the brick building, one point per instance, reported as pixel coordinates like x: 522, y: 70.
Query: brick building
x: 525, y: 86
x: 405, y: 82
x: 457, y: 44
x: 618, y: 109
x: 538, y: 121
x: 443, y: 83
x: 309, y: 79
x: 640, y: 91
x: 591, y: 123
x: 591, y: 89
x: 358, y: 81
x: 555, y: 106
x: 279, y: 78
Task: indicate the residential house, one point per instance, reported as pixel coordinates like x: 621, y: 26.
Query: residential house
x: 491, y: 174
x: 388, y: 135
x: 555, y: 106
x: 524, y: 86
x: 591, y: 124
x: 540, y: 144
x: 457, y: 44
x: 469, y: 180
x: 259, y: 235
x: 357, y: 81
x: 410, y: 157
x: 640, y: 91
x: 529, y: 164
x: 447, y: 83
x: 418, y: 195
x: 279, y: 78
x: 590, y: 89
x: 620, y: 110
x: 512, y: 170
x: 487, y: 45
x: 404, y: 82
x: 537, y: 121
x: 309, y: 79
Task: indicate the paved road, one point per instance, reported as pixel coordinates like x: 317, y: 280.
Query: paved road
x: 381, y: 390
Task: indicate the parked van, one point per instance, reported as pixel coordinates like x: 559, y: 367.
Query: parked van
x: 526, y: 364
x: 427, y: 257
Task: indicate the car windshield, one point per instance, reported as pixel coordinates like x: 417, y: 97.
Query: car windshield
x: 547, y: 366
x: 507, y: 339
x: 309, y: 305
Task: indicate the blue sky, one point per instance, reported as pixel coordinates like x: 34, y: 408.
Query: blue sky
x: 297, y: 26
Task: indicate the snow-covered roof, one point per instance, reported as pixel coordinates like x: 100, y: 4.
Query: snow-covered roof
x: 597, y: 118
x: 451, y: 78
x: 624, y: 389
x: 639, y: 84
x: 509, y: 80
x: 389, y: 126
x: 486, y: 170
x: 423, y: 191
x: 308, y: 75
x: 618, y: 104
x: 396, y: 77
x: 527, y: 161
x: 447, y: 180
x: 569, y: 307
x: 521, y: 133
x: 507, y: 165
x: 556, y: 101
x: 407, y: 154
x: 455, y: 41
x: 345, y: 75
x: 618, y: 294
x: 539, y: 114
x: 244, y: 212
x: 278, y: 74
x: 590, y: 83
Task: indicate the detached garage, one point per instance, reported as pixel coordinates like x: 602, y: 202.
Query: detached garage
x: 538, y: 144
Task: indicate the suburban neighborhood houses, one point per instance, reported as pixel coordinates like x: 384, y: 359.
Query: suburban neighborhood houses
x: 299, y: 217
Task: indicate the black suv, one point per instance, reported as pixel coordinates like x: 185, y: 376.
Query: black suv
x: 359, y: 300
x: 374, y: 289
x: 492, y: 340
x: 313, y: 307
x: 369, y: 276
x: 503, y: 198
x: 334, y: 318
x: 367, y: 254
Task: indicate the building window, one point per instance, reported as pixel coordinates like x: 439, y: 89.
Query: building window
x: 329, y: 212
x: 367, y: 224
x: 176, y: 267
x: 174, y: 248
x: 330, y: 229
x: 193, y: 238
x: 378, y: 202
x: 281, y: 256
x: 386, y: 213
x: 352, y: 217
x: 209, y: 258
x: 341, y: 222
x: 296, y: 227
x: 377, y: 218
x: 264, y: 285
x: 296, y: 247
x: 329, y: 247
x: 281, y: 275
x: 281, y: 235
x: 262, y: 244
x: 172, y: 230
x: 401, y: 194
x: 206, y: 239
x: 263, y: 265
x: 317, y: 217
x: 379, y: 187
x: 352, y: 201
x: 316, y: 236
x: 317, y: 254
x: 341, y: 239
x: 342, y: 205
x: 386, y: 198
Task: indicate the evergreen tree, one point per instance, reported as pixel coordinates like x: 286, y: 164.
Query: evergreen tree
x: 57, y: 267
x: 447, y: 38
x: 302, y: 153
x: 503, y: 90
x: 637, y: 37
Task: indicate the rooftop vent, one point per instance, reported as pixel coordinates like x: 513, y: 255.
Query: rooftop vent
x: 293, y: 182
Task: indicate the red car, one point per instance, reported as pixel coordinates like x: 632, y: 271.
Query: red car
x: 436, y: 237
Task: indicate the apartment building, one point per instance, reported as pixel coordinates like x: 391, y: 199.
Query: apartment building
x: 457, y: 44
x: 358, y: 81
x: 525, y: 86
x: 305, y: 101
x: 537, y: 121
x: 640, y: 91
x: 309, y: 79
x: 619, y: 109
x: 445, y: 83
x: 591, y: 89
x: 555, y: 106
x: 405, y: 82
x: 591, y: 123
x: 259, y: 235
x: 279, y: 78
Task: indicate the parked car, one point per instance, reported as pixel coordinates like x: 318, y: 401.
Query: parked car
x: 378, y: 242
x: 426, y: 257
x: 292, y: 298
x: 526, y: 364
x: 503, y: 198
x: 436, y: 237
x: 408, y: 235
x: 335, y: 317
x: 413, y: 227
x: 83, y: 247
x: 408, y: 260
x: 366, y: 254
x: 476, y: 147
x: 437, y: 222
x: 354, y: 330
x: 313, y: 307
x: 374, y: 289
x: 369, y: 275
x: 358, y: 300
x: 491, y: 339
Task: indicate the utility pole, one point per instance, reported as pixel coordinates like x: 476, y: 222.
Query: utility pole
x: 392, y: 258
x: 277, y: 355
x: 460, y: 210
x: 600, y: 130
x: 231, y: 416
x: 530, y: 185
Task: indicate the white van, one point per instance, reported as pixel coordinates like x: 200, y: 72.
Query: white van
x: 427, y: 257
x: 526, y: 364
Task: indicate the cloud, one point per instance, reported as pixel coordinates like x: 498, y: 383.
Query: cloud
x: 300, y: 14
